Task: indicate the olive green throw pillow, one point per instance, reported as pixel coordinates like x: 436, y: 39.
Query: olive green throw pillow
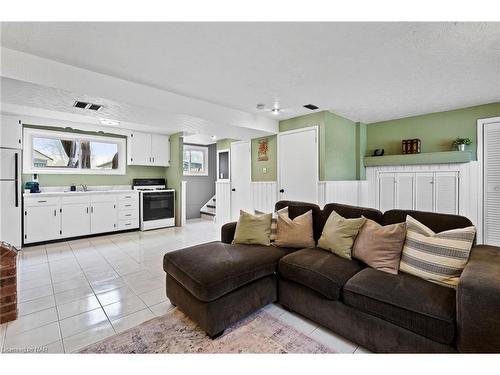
x: 253, y: 229
x: 339, y: 234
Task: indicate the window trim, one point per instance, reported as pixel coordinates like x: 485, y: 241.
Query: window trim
x: 204, y: 149
x: 30, y: 133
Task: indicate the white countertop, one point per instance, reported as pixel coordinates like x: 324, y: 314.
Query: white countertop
x: 64, y: 191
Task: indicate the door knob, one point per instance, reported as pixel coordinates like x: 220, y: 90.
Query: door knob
x: 282, y: 190
x: 233, y: 189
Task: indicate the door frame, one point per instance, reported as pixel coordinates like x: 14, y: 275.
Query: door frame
x: 480, y: 186
x: 316, y: 150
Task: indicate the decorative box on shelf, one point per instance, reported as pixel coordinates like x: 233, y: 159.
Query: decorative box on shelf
x: 411, y: 146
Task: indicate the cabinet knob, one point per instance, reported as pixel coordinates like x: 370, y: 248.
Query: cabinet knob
x: 282, y: 190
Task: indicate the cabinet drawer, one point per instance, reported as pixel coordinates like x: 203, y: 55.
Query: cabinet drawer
x: 132, y: 196
x: 128, y: 205
x: 128, y: 224
x: 42, y: 201
x: 103, y: 198
x: 75, y: 199
x: 128, y: 214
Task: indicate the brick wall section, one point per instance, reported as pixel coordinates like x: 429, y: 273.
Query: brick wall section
x: 8, y: 283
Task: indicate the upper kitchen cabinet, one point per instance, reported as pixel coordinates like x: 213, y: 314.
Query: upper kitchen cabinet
x: 11, y: 131
x: 148, y: 149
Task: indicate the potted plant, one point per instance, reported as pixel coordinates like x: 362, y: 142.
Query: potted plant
x: 460, y: 143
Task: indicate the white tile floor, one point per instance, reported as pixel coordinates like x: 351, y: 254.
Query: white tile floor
x: 75, y: 293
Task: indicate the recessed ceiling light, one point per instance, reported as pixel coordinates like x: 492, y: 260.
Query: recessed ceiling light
x: 261, y: 106
x: 214, y: 137
x: 105, y: 121
x: 276, y: 111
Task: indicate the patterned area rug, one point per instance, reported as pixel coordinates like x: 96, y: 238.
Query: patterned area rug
x: 176, y: 333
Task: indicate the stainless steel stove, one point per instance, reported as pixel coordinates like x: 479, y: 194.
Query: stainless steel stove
x: 156, y: 203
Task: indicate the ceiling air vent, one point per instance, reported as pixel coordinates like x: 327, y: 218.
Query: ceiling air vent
x: 95, y: 107
x: 81, y: 105
x: 312, y: 107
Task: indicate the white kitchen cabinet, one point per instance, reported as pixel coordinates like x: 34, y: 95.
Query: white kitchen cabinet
x: 11, y: 132
x: 103, y: 213
x: 75, y: 216
x: 42, y: 221
x: 422, y: 191
x: 160, y: 150
x: 148, y: 149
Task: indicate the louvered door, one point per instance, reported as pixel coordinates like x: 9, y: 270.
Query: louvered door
x: 387, y: 191
x: 492, y: 184
x: 404, y: 191
x: 424, y: 192
x: 446, y: 191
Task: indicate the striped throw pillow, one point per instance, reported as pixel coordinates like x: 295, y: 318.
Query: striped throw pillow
x: 274, y: 221
x: 436, y: 257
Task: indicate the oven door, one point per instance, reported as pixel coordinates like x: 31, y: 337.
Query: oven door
x: 158, y: 205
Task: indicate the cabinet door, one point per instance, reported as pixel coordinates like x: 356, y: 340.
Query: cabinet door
x: 160, y: 150
x: 11, y: 132
x: 404, y: 191
x: 424, y: 192
x: 42, y: 223
x: 75, y: 220
x: 446, y: 192
x: 387, y: 191
x: 491, y: 181
x: 103, y: 217
x: 139, y: 149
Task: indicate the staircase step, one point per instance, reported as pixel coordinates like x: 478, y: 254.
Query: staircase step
x: 210, y: 206
x: 207, y: 213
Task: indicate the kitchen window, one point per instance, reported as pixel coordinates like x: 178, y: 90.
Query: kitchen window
x: 195, y: 160
x: 55, y: 152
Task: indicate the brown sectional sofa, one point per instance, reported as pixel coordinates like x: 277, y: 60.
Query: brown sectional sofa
x: 216, y: 284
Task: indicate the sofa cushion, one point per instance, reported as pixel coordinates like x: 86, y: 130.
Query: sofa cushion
x: 435, y: 221
x: 296, y: 233
x: 214, y: 269
x: 406, y: 301
x: 296, y: 208
x: 320, y: 270
x: 253, y: 229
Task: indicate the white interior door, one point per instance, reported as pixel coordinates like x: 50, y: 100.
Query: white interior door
x: 241, y: 179
x: 298, y: 165
x: 491, y: 209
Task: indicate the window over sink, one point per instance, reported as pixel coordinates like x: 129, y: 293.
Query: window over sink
x: 54, y: 152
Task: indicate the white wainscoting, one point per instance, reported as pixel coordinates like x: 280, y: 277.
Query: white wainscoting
x: 468, y: 194
x: 264, y: 195
x: 344, y: 192
x: 223, y: 202
x: 183, y: 202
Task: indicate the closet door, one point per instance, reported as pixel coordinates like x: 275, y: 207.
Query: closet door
x: 491, y: 216
x: 424, y: 192
x: 404, y: 191
x: 446, y: 191
x: 387, y: 191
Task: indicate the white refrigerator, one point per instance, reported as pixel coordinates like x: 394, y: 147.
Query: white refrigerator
x: 10, y: 181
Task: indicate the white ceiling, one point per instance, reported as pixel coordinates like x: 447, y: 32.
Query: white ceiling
x: 363, y: 71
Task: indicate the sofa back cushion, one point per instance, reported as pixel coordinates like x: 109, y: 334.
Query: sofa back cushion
x: 436, y: 222
x: 296, y: 208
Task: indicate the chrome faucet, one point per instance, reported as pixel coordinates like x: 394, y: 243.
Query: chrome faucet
x: 84, y: 187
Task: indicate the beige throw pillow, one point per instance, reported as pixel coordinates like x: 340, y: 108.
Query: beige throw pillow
x: 339, y: 234
x: 436, y: 257
x: 296, y: 233
x: 253, y: 229
x: 380, y: 246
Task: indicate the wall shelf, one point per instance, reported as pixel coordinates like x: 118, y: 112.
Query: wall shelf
x: 424, y: 158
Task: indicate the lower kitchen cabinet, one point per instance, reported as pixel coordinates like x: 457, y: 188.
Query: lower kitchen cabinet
x: 42, y: 223
x: 66, y: 216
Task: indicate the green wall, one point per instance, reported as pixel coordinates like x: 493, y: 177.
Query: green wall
x: 436, y: 130
x: 224, y: 144
x: 174, y: 173
x: 271, y: 164
x: 78, y: 179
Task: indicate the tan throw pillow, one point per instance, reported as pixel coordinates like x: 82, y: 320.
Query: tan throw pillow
x: 253, y: 229
x: 274, y: 221
x: 380, y: 246
x: 296, y: 233
x: 436, y: 257
x: 339, y: 234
